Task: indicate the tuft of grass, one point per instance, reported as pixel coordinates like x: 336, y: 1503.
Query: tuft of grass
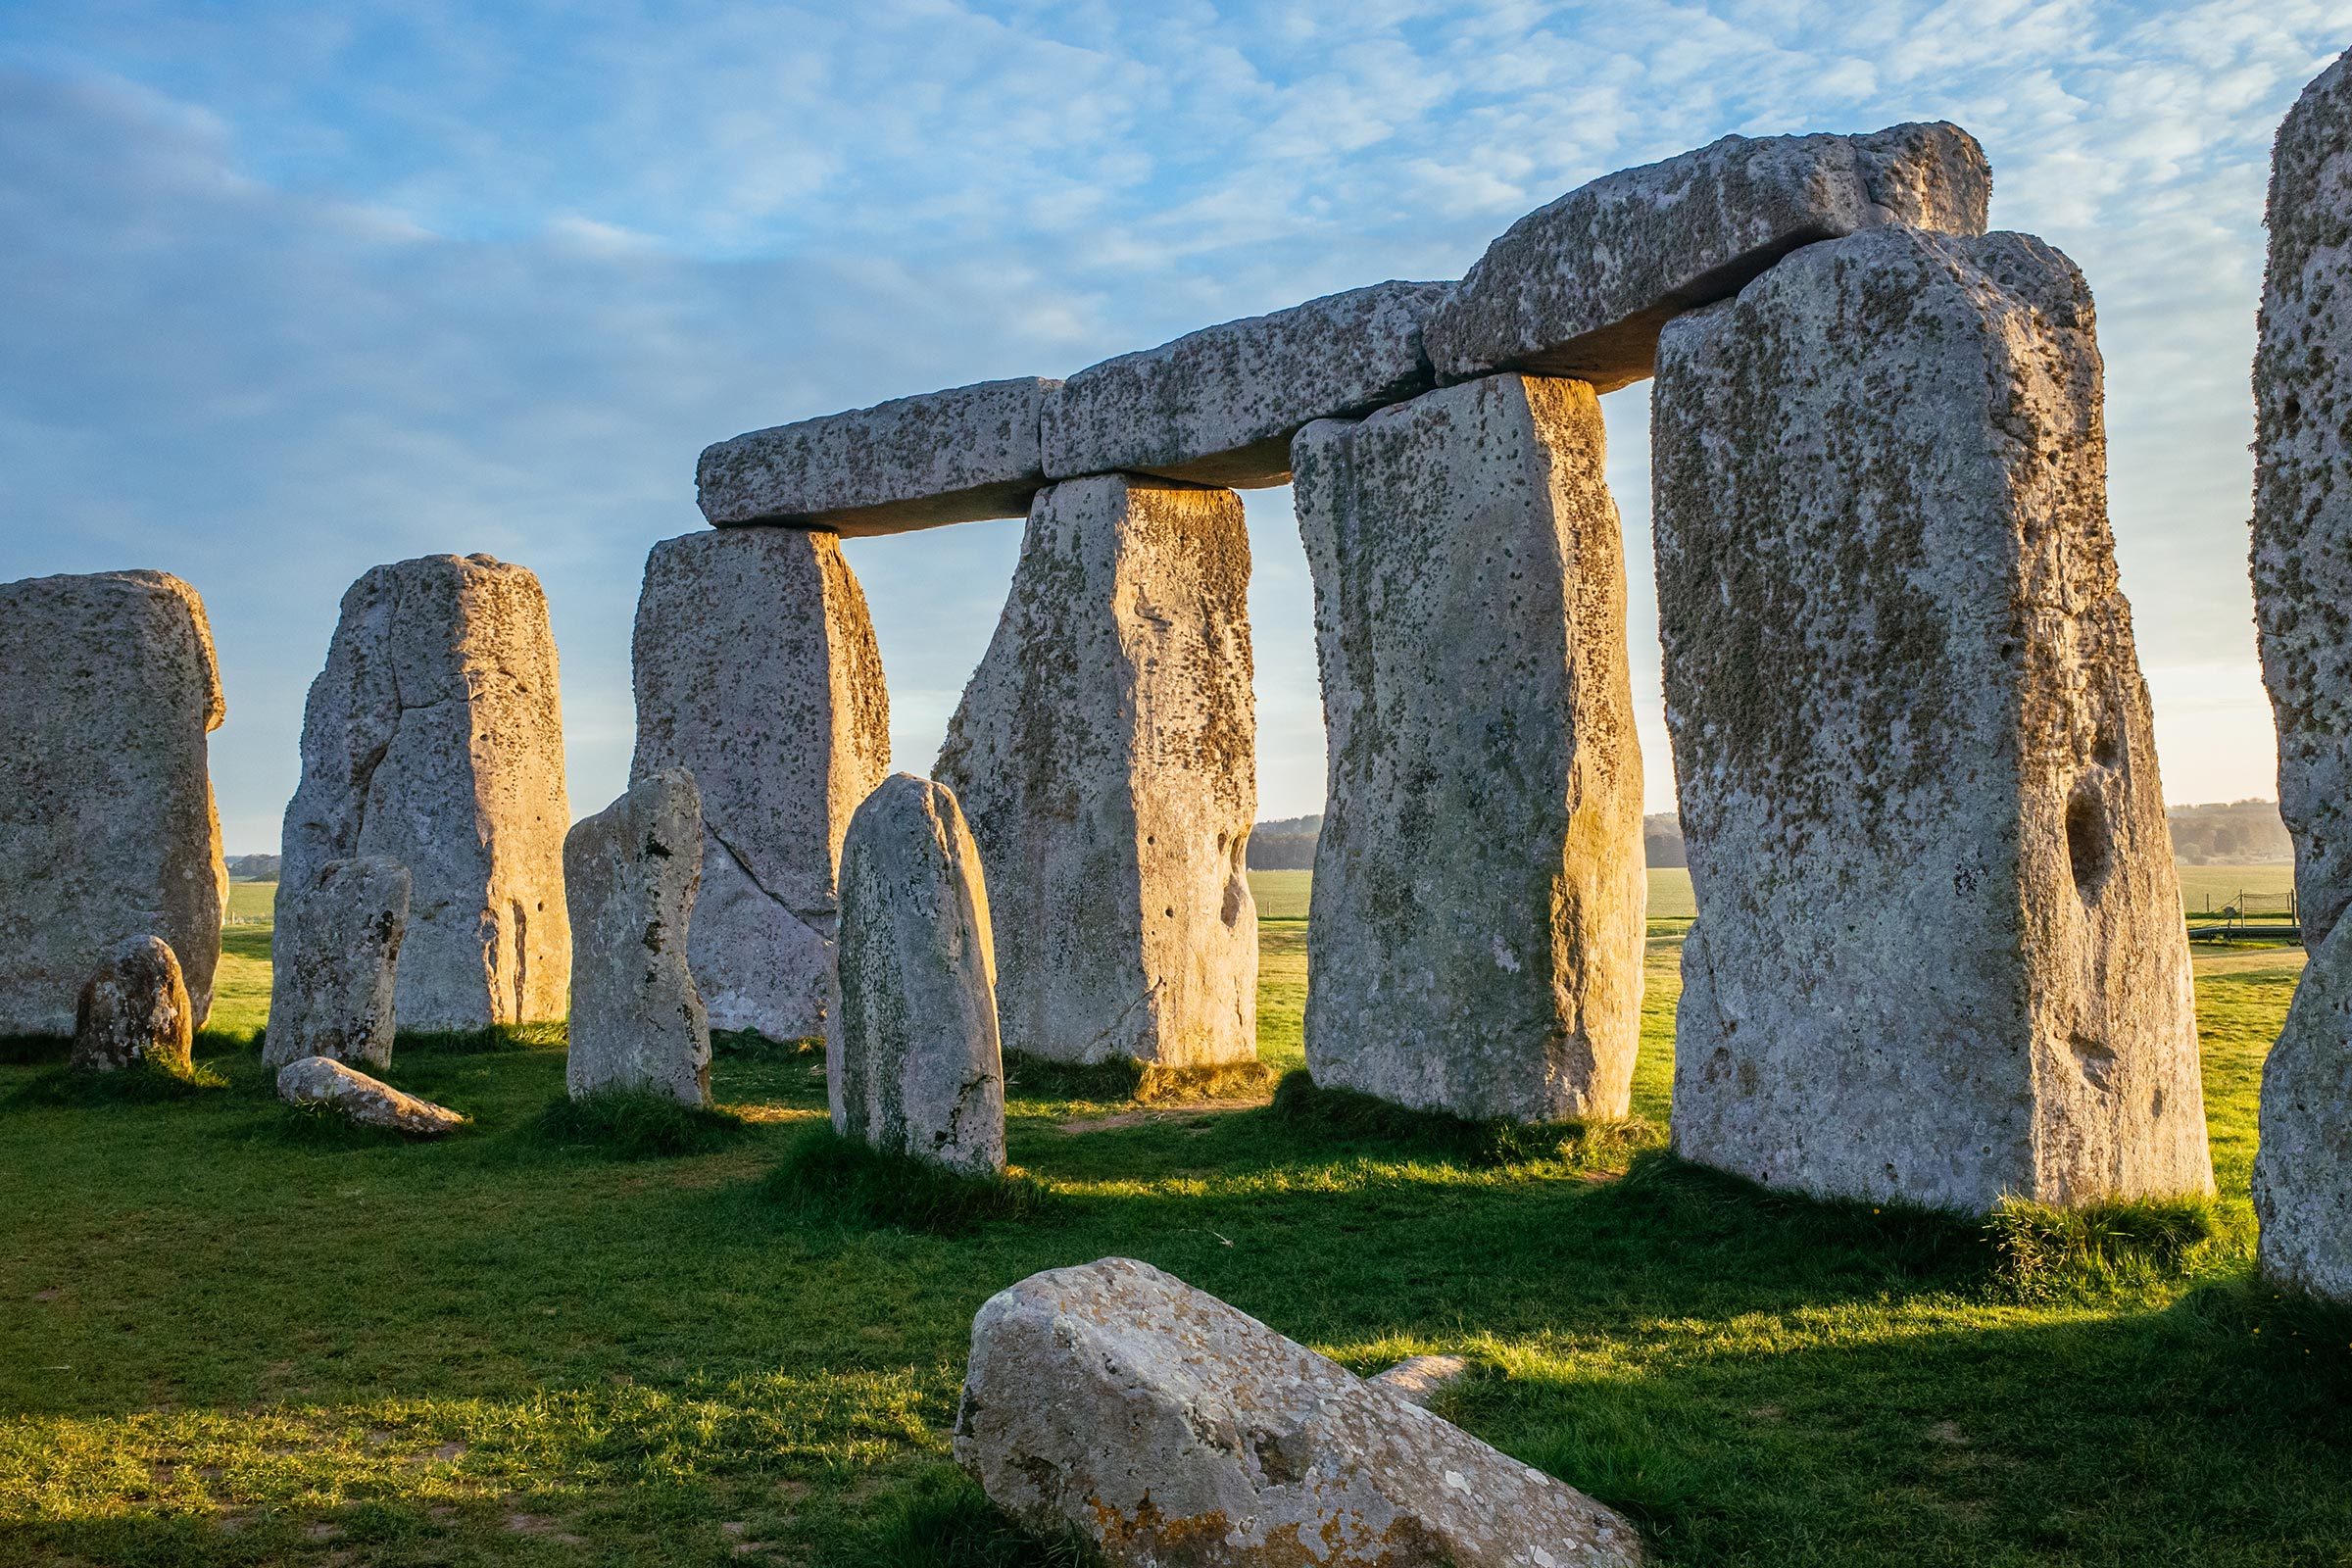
x: 826, y: 1175
x: 2047, y: 1253
x: 944, y: 1520
x: 749, y: 1044
x: 1028, y: 1077
x: 634, y: 1124
x: 321, y: 1127
x: 1343, y: 1115
x: 1231, y: 1080
x: 550, y: 1035
x: 145, y: 1084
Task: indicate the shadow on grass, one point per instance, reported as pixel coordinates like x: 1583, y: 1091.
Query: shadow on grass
x: 1339, y: 1116
x: 553, y: 1034
x: 826, y: 1176
x: 749, y: 1044
x: 144, y: 1083
x: 1122, y: 1080
x: 632, y: 1124
x: 942, y: 1519
x: 326, y: 1128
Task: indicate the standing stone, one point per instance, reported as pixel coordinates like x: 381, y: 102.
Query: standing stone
x: 756, y: 672
x: 1167, y: 1428
x: 1106, y: 753
x: 134, y: 1012
x: 1475, y: 944
x: 632, y: 871
x: 107, y: 688
x: 335, y: 957
x: 1939, y: 955
x: 918, y: 1070
x: 2303, y: 611
x: 435, y: 737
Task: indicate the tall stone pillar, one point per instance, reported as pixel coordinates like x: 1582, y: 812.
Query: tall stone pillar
x: 435, y: 736
x: 757, y: 672
x: 1940, y: 954
x: 1476, y: 937
x: 1106, y: 756
x: 2303, y: 611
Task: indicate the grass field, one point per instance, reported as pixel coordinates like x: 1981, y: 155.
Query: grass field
x: 227, y: 1337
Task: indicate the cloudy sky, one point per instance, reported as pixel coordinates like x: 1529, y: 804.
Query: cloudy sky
x: 293, y: 289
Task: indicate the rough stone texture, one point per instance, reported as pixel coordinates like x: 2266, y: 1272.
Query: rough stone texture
x: 958, y: 456
x: 919, y: 1071
x: 1420, y: 1379
x: 1470, y: 623
x: 107, y: 688
x: 1221, y: 405
x: 2303, y: 490
x: 2303, y: 1168
x: 323, y: 1081
x: 1581, y: 287
x: 435, y: 737
x: 1938, y: 953
x: 632, y: 871
x: 134, y: 1011
x: 1105, y: 755
x: 1170, y: 1428
x: 335, y: 958
x: 757, y: 672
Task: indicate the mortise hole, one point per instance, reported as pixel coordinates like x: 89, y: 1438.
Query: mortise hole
x: 2088, y: 848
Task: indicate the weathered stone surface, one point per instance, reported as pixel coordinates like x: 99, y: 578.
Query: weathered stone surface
x: 1221, y: 405
x: 958, y: 456
x: 1105, y: 755
x: 756, y: 672
x: 1170, y: 1428
x: 2303, y: 1168
x: 1938, y: 953
x: 632, y: 871
x: 335, y: 957
x: 435, y: 737
x: 1470, y: 623
x: 107, y: 688
x: 135, y: 1012
x: 919, y: 1071
x: 323, y: 1081
x: 1420, y: 1379
x: 1581, y: 287
x: 2303, y: 490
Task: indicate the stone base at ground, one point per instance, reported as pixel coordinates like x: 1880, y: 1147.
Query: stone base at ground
x: 632, y: 871
x: 134, y: 1012
x: 335, y: 957
x: 2303, y: 1167
x: 318, y: 1081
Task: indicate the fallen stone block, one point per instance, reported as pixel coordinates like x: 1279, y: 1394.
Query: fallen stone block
x: 630, y: 872
x: 321, y: 1081
x: 1581, y: 287
x: 134, y: 1012
x: 1167, y: 1428
x: 334, y: 962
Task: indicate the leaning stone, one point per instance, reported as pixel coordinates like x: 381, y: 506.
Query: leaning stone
x: 1581, y: 287
x: 757, y: 672
x: 2303, y: 1167
x: 1420, y: 1379
x: 435, y: 737
x: 323, y: 1081
x: 632, y: 871
x: 958, y: 456
x: 107, y: 688
x: 335, y: 958
x: 1221, y: 405
x: 918, y: 1070
x: 1939, y: 955
x: 1470, y: 622
x: 135, y: 1012
x: 2303, y: 491
x: 1106, y: 753
x: 1165, y: 1427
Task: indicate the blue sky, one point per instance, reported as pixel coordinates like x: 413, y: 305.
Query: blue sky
x: 294, y: 289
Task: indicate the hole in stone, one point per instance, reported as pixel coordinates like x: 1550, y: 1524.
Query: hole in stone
x: 2089, y: 847
x: 2096, y: 1059
x: 2107, y: 748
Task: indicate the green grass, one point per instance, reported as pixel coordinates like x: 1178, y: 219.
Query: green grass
x: 221, y: 1342
x: 632, y: 1124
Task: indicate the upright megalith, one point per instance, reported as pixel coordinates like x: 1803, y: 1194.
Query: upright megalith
x: 917, y: 1071
x: 335, y: 958
x: 630, y: 872
x: 1479, y: 891
x: 435, y: 737
x: 107, y: 689
x: 1106, y: 753
x: 134, y: 1012
x: 756, y: 672
x: 1938, y: 953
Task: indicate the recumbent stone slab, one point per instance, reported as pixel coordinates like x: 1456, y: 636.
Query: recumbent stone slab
x: 1105, y: 755
x: 334, y: 962
x: 1220, y: 406
x: 632, y: 871
x: 1581, y: 287
x: 958, y: 456
x: 1470, y: 625
x: 757, y: 672
x: 107, y: 688
x: 1167, y: 1428
x: 918, y: 1070
x: 134, y: 1012
x: 434, y: 737
x: 369, y: 1101
x: 1938, y: 953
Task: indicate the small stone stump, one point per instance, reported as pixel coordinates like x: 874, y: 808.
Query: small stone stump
x: 334, y: 959
x: 368, y: 1101
x: 917, y: 1071
x: 134, y: 1012
x: 632, y: 871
